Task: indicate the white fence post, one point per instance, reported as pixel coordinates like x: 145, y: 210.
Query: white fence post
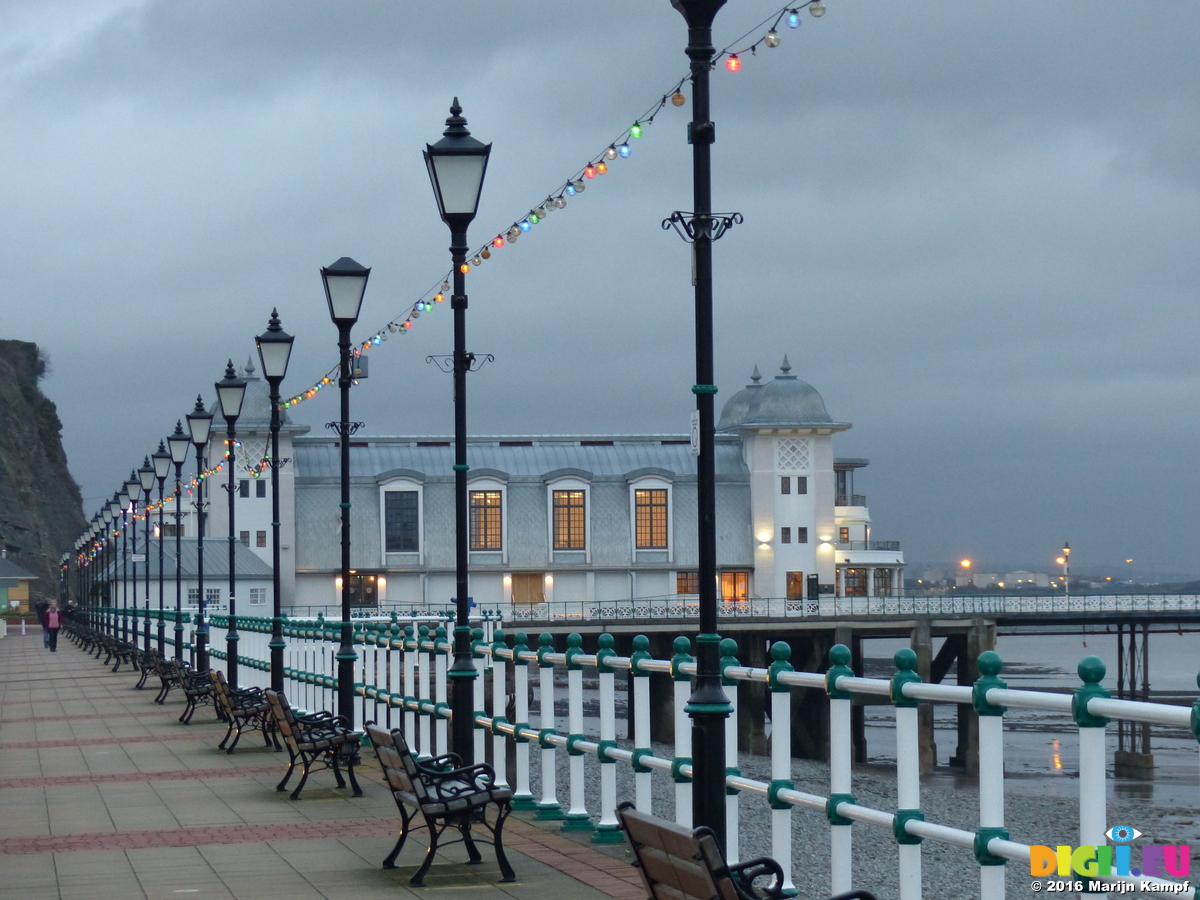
x: 642, y: 786
x: 608, y: 831
x: 840, y: 750
x: 410, y: 684
x: 781, y: 762
x: 683, y: 731
x: 729, y: 649
x: 548, y: 808
x: 424, y: 691
x: 479, y: 654
x: 523, y: 796
x: 1093, y: 790
x: 908, y: 775
x: 441, y: 655
x: 577, y: 815
x: 991, y: 777
x: 499, y: 702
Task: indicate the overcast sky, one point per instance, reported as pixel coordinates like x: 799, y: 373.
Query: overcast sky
x: 972, y: 226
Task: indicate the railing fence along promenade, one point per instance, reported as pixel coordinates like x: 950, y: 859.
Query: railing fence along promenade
x: 401, y: 681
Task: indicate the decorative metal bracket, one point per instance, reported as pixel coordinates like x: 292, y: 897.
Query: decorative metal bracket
x: 351, y: 428
x: 277, y: 463
x: 475, y: 362
x: 691, y: 226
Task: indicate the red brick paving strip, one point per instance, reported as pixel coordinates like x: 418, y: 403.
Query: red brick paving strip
x: 174, y: 775
x: 96, y: 741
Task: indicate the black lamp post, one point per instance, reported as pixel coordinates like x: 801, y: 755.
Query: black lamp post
x: 178, y: 443
x: 125, y: 497
x: 345, y: 282
x: 457, y: 165
x: 162, y: 465
x: 200, y: 424
x: 146, y: 477
x: 274, y: 350
x: 114, y: 518
x: 133, y: 488
x: 231, y: 391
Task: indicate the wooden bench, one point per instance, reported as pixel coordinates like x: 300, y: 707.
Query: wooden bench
x: 321, y: 739
x: 447, y: 794
x: 680, y: 863
x: 246, y: 709
x: 197, y: 689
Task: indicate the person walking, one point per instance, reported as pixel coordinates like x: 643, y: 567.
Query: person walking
x: 41, y: 607
x: 54, y: 620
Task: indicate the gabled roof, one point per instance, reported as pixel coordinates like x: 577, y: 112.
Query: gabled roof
x: 246, y: 563
x: 9, y: 569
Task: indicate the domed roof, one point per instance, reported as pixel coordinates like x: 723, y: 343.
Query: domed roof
x: 733, y: 413
x: 784, y: 402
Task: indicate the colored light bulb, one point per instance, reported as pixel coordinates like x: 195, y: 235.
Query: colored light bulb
x: 601, y: 167
x: 524, y: 225
x: 497, y: 242
x: 624, y: 151
x: 636, y: 130
x: 464, y: 268
x: 439, y: 296
x: 589, y: 172
x: 733, y: 63
x: 485, y: 253
x: 793, y: 19
x: 678, y: 98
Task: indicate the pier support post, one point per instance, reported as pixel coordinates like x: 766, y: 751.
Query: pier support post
x: 752, y: 700
x: 922, y: 644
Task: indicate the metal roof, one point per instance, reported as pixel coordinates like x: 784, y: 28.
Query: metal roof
x: 246, y: 563
x: 520, y: 458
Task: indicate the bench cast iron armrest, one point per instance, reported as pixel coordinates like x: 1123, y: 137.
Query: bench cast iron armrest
x: 460, y: 782
x: 746, y: 872
x: 440, y: 764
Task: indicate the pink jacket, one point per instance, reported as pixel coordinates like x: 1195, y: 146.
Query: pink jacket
x: 54, y: 619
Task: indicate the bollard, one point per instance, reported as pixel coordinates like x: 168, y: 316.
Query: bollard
x: 643, y: 795
x: 840, y: 749
x: 781, y: 762
x: 577, y: 816
x: 908, y: 774
x: 548, y: 808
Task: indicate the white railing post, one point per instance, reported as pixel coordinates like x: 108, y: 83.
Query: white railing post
x: 424, y: 691
x: 441, y: 655
x: 1093, y: 791
x: 523, y: 796
x: 608, y: 831
x: 499, y: 703
x: 548, y: 808
x: 577, y: 816
x: 479, y: 656
x: 992, y: 872
x: 410, y: 684
x: 683, y: 731
x: 908, y: 775
x: 642, y: 784
x: 394, y: 663
x: 729, y: 651
x: 840, y: 751
x: 781, y: 762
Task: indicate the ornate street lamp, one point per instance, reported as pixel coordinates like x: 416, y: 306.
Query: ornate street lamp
x: 146, y: 478
x: 128, y: 494
x: 114, y: 513
x: 162, y: 467
x: 274, y: 351
x: 231, y: 391
x: 345, y: 282
x: 457, y: 165
x: 178, y: 442
x: 200, y: 424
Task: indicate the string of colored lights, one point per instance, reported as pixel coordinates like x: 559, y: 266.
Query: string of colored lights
x: 557, y: 199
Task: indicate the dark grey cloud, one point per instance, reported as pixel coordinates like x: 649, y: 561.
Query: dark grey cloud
x: 971, y: 226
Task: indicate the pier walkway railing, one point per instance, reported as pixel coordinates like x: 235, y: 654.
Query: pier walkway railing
x: 401, y: 681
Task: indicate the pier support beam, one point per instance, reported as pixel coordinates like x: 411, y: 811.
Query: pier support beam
x: 922, y: 644
x: 752, y: 696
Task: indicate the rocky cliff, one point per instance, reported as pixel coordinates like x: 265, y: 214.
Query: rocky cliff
x: 41, y: 512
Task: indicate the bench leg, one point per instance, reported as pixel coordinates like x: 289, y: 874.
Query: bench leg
x: 282, y: 786
x: 224, y: 740
x: 506, y: 868
x: 353, y: 781
x: 306, y: 762
x: 390, y: 861
x: 418, y: 879
x: 473, y: 857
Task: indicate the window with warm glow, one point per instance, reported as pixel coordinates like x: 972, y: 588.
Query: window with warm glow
x: 485, y: 520
x: 735, y: 585
x: 687, y: 582
x: 569, y: 520
x: 650, y: 519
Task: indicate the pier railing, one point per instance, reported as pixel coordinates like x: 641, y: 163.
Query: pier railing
x: 401, y: 682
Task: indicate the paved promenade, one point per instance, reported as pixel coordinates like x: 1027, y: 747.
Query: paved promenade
x: 105, y: 796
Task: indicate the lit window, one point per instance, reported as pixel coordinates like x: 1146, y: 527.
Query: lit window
x: 687, y: 582
x: 485, y: 520
x: 569, y: 520
x: 843, y: 535
x: 650, y: 519
x: 735, y: 585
